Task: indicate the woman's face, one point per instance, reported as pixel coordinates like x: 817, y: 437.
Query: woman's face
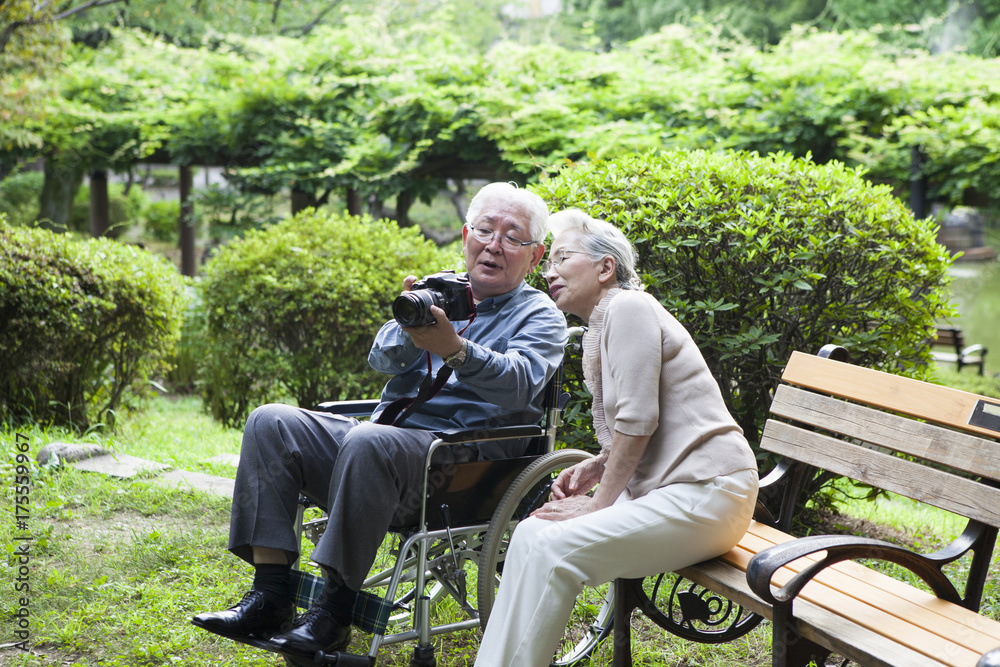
x: 574, y: 276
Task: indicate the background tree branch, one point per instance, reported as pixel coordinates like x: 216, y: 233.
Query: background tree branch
x: 307, y: 28
x: 38, y: 17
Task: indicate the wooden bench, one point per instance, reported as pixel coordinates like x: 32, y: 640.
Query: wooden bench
x: 929, y: 443
x: 963, y: 355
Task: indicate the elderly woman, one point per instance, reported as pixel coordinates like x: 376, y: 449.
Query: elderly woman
x: 676, y: 481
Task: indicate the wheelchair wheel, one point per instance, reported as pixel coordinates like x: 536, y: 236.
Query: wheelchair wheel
x: 591, y: 619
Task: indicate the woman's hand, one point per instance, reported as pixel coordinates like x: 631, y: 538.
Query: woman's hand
x: 567, y: 508
x: 579, y: 478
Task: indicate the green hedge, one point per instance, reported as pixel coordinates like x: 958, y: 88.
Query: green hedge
x: 291, y: 311
x: 83, y: 325
x: 761, y: 256
x: 19, y: 196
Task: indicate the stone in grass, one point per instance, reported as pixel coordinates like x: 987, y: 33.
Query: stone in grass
x: 56, y: 453
x: 122, y: 466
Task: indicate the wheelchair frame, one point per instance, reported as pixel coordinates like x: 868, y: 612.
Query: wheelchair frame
x: 437, y: 552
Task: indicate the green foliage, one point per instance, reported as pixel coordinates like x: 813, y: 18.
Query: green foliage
x: 83, y: 325
x: 958, y: 144
x: 28, y: 54
x: 160, y: 220
x: 985, y: 385
x: 936, y: 25
x: 228, y: 211
x: 191, y: 349
x: 377, y: 109
x: 124, y: 208
x: 759, y: 257
x: 19, y: 196
x: 292, y: 310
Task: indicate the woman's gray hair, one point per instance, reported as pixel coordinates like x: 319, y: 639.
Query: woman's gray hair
x: 600, y: 239
x: 534, y: 206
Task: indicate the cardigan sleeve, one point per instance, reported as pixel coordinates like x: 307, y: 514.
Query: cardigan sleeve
x: 633, y: 343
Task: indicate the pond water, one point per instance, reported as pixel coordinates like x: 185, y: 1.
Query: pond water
x: 976, y: 292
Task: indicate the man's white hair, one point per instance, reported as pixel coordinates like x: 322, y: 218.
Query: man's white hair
x: 534, y: 206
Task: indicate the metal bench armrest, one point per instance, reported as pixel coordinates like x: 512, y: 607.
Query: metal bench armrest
x: 838, y: 548
x: 990, y: 659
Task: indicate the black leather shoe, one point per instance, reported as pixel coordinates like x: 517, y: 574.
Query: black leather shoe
x: 253, y: 616
x: 316, y: 630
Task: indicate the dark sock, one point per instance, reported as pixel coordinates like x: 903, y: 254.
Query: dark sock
x: 275, y: 581
x: 338, y: 600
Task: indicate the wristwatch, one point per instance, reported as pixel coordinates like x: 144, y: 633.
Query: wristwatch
x: 458, y: 359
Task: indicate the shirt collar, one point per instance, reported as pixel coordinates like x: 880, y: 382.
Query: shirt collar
x: 494, y: 302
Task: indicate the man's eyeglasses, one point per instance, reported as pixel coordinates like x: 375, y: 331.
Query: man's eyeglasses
x: 555, y: 260
x: 486, y: 235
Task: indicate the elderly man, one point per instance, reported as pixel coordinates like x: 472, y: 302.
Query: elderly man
x: 369, y: 475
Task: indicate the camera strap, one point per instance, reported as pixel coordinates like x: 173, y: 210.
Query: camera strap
x: 428, y: 389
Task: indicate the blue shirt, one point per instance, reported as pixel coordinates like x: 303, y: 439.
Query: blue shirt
x: 516, y: 344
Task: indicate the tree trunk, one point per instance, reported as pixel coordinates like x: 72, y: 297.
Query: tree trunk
x: 187, y: 225
x: 60, y: 186
x: 918, y: 183
x: 98, y: 203
x: 404, y: 200
x: 354, y: 203
x: 302, y: 200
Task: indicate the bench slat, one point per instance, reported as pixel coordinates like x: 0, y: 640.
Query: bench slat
x: 864, y: 647
x: 942, y: 405
x: 941, y: 489
x: 872, y: 588
x: 856, y: 622
x: 900, y: 589
x: 858, y: 644
x: 730, y: 582
x: 949, y: 337
x: 960, y: 451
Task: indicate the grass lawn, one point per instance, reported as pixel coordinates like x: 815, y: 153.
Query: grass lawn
x: 118, y: 567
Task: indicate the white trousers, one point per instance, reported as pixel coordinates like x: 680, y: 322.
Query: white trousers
x: 549, y: 562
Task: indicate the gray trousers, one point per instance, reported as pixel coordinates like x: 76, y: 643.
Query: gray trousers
x: 369, y: 478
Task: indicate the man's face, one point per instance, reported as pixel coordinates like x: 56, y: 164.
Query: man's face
x: 494, y: 266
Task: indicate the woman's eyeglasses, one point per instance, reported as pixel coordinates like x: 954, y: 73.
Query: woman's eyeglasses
x: 486, y: 236
x: 555, y: 260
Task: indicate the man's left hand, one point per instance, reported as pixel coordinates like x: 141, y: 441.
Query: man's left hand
x: 439, y: 338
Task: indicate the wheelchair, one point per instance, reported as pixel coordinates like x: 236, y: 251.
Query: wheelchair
x: 440, y: 575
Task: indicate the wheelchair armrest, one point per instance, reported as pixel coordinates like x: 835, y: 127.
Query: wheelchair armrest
x: 453, y: 436
x: 362, y: 408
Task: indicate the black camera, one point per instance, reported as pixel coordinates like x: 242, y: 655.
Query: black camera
x: 446, y: 290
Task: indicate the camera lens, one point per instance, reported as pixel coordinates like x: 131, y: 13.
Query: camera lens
x: 413, y: 309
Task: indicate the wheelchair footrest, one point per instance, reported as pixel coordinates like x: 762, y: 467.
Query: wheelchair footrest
x: 256, y: 642
x: 344, y: 659
x: 321, y: 658
x: 371, y: 612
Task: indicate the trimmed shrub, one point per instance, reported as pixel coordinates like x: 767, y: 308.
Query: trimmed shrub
x: 19, y: 196
x: 292, y: 310
x: 761, y: 256
x: 83, y: 325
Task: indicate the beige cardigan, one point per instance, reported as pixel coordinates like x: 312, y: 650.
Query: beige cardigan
x: 655, y: 382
